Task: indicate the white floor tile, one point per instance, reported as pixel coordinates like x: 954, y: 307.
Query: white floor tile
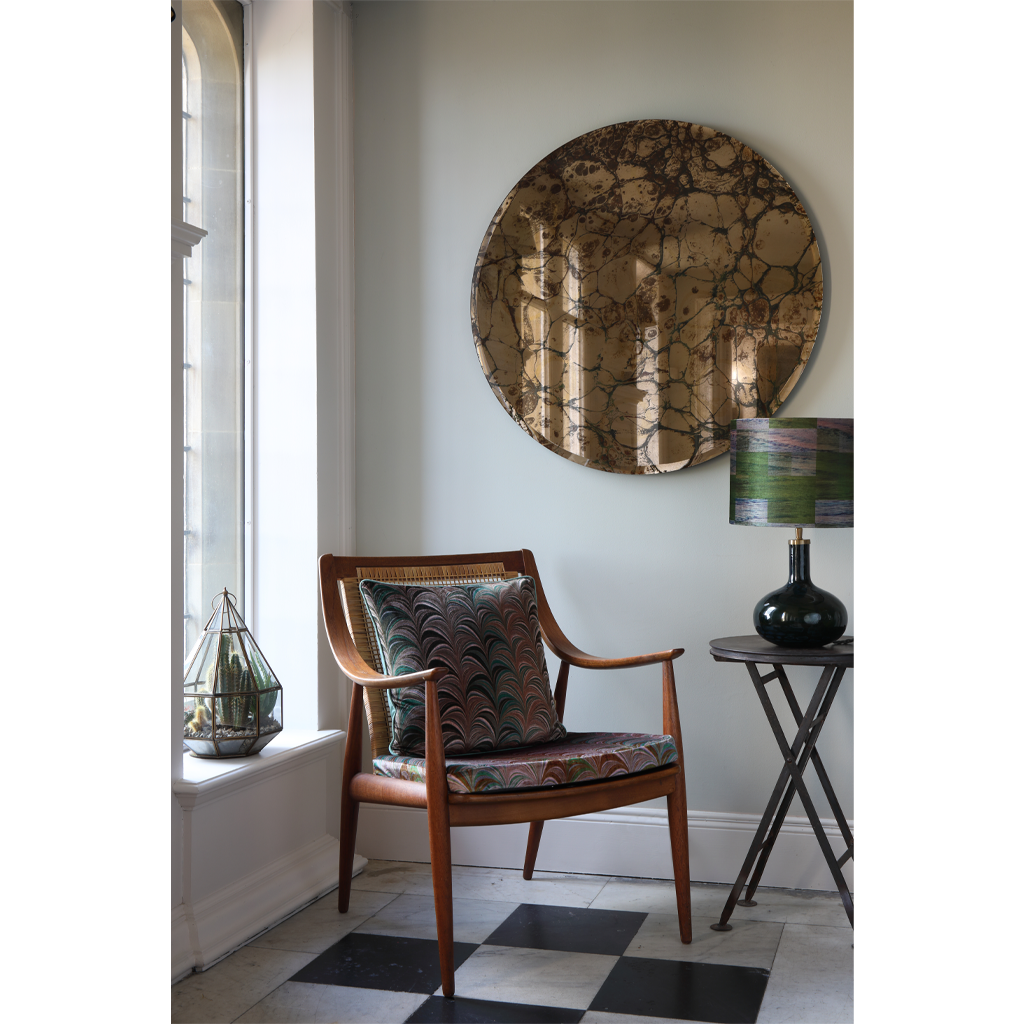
x: 505, y: 885
x: 320, y: 925
x: 791, y: 907
x: 393, y: 876
x: 541, y: 977
x: 654, y: 896
x: 509, y: 886
x: 231, y: 987
x: 642, y: 895
x: 413, y: 916
x: 749, y: 944
x: 298, y: 1003
x: 812, y: 977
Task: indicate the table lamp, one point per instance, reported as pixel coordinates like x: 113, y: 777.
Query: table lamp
x: 794, y: 472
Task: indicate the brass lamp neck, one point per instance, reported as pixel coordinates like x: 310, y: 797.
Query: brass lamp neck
x: 799, y: 539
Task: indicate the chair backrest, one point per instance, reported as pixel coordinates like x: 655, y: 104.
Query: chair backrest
x: 345, y: 574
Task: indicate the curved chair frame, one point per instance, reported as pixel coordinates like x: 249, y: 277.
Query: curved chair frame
x: 446, y: 809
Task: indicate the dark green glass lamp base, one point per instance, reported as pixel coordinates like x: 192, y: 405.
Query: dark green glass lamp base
x: 800, y: 614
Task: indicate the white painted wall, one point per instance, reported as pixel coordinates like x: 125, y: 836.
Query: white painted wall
x: 454, y: 102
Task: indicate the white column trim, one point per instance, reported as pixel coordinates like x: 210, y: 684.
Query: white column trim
x: 184, y: 238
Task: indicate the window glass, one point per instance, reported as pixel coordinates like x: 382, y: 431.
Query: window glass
x: 213, y: 296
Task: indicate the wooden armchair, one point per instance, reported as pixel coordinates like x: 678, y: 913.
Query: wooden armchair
x: 433, y: 781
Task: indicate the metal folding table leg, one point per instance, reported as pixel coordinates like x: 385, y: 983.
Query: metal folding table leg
x: 796, y: 757
x: 791, y: 790
x: 796, y: 770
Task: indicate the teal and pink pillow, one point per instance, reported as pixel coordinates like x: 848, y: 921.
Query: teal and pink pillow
x: 496, y: 694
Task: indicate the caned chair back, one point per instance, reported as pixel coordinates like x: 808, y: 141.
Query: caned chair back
x: 374, y: 702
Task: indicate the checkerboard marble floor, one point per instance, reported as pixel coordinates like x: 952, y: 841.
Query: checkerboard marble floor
x: 557, y: 948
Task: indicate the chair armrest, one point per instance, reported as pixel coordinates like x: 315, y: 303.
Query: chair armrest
x: 574, y: 656
x: 374, y: 679
x: 350, y: 662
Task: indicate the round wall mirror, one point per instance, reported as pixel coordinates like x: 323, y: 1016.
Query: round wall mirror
x: 639, y: 288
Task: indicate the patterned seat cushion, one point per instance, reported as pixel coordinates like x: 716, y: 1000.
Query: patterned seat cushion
x: 579, y: 757
x: 496, y: 693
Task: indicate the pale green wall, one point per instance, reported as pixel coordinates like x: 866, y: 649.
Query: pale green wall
x: 454, y: 102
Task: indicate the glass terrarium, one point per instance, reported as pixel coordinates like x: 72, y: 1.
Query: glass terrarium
x: 232, y: 698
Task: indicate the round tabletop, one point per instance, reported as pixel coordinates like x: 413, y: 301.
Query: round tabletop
x: 763, y: 652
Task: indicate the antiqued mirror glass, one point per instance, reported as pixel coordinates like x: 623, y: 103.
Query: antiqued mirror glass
x: 639, y: 288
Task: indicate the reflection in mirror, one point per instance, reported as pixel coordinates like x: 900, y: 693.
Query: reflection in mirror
x: 639, y: 288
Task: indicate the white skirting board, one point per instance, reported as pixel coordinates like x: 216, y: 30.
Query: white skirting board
x: 631, y: 841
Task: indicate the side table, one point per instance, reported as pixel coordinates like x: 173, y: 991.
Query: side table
x: 833, y: 660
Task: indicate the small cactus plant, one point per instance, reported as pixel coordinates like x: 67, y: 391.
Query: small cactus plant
x: 231, y: 683
x: 267, y: 686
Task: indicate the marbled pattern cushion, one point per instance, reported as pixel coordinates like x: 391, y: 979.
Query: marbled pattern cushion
x: 496, y: 693
x: 579, y: 757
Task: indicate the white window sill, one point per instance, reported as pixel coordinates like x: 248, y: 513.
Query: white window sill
x: 209, y: 777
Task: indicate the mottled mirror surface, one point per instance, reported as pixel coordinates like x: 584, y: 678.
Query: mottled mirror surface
x: 639, y: 288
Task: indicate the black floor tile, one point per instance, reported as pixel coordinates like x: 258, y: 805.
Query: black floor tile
x: 390, y: 962
x: 437, y: 1010
x: 686, y: 991
x: 569, y: 929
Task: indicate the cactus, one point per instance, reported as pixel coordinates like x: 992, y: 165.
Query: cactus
x: 197, y: 719
x: 230, y: 681
x: 266, y: 683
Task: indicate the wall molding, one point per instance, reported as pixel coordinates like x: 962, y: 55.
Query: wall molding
x: 182, y: 957
x: 629, y: 841
x: 184, y: 238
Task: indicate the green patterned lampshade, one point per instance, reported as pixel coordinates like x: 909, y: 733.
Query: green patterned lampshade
x: 791, y: 472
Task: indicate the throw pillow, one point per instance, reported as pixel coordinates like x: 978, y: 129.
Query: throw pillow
x: 496, y: 693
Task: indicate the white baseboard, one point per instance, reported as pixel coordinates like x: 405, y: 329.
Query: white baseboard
x: 629, y: 841
x: 228, y: 918
x: 182, y: 957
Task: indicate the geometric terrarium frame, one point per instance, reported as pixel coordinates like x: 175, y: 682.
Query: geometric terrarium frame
x: 233, y: 701
x: 639, y: 288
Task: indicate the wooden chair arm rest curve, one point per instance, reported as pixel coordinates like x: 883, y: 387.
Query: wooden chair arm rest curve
x: 577, y: 658
x: 355, y: 668
x: 374, y: 679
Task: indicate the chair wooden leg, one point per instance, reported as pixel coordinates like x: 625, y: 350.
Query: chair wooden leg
x: 349, y: 820
x: 349, y: 807
x: 679, y: 838
x: 532, y: 846
x: 677, y: 827
x: 439, y: 827
x: 441, y: 872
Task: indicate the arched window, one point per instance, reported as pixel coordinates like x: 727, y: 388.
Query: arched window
x: 213, y: 307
